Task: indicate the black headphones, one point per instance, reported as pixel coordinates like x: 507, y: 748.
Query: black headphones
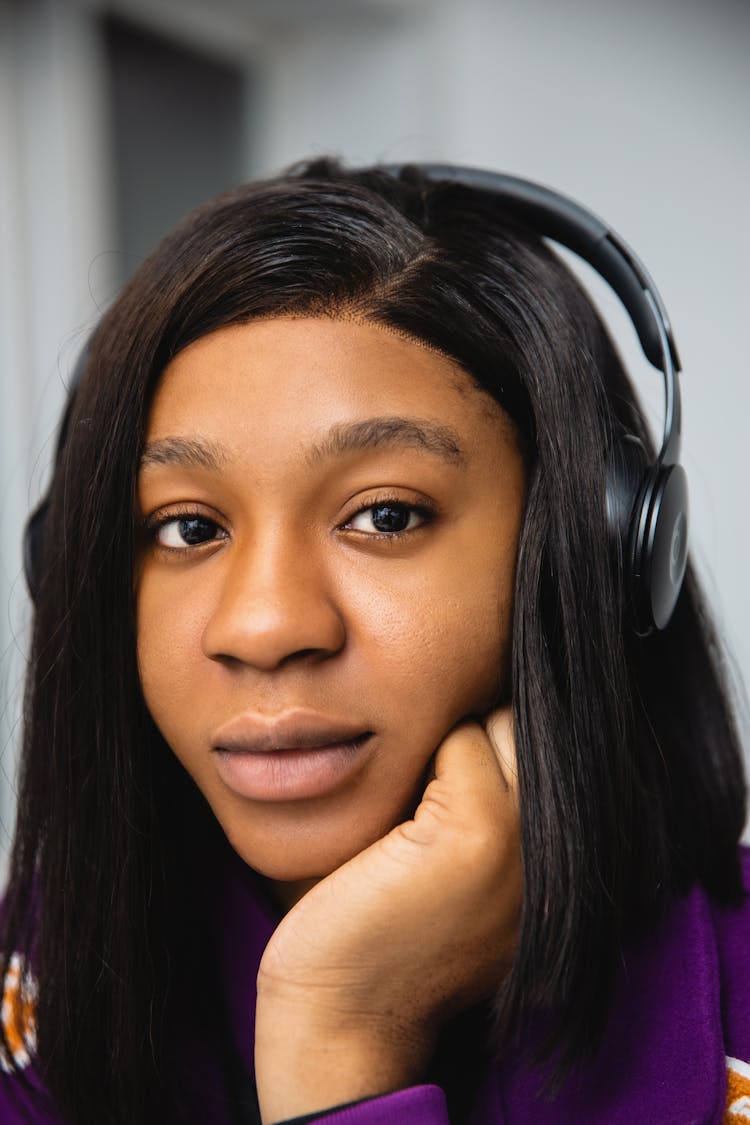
x: 647, y: 508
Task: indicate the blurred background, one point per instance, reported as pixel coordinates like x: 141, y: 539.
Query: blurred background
x: 117, y: 117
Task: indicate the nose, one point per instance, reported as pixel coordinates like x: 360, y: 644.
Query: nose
x: 274, y: 604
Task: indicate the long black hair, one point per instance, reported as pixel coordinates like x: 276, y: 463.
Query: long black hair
x: 630, y: 774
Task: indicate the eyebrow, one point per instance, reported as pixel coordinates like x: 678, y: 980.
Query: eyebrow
x: 191, y: 452
x: 373, y: 433
x: 343, y: 438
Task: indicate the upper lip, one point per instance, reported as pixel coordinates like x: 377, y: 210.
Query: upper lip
x: 295, y: 729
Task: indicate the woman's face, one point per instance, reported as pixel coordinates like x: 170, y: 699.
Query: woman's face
x: 324, y: 587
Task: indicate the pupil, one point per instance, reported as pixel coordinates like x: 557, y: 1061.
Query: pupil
x: 386, y: 517
x: 196, y: 530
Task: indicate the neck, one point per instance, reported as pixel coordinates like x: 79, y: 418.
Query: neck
x: 287, y: 894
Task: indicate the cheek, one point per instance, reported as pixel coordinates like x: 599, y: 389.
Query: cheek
x: 463, y: 655
x: 439, y: 642
x: 468, y: 650
x: 168, y: 630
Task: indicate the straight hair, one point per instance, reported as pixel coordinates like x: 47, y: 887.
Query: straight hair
x: 630, y: 774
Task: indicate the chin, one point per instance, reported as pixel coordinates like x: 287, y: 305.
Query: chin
x: 294, y: 842
x: 293, y: 862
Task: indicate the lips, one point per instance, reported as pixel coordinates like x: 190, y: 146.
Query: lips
x: 290, y: 756
x: 298, y: 729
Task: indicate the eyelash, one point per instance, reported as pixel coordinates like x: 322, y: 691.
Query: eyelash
x: 155, y: 524
x: 424, y: 512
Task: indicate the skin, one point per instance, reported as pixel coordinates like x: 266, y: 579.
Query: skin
x: 294, y: 596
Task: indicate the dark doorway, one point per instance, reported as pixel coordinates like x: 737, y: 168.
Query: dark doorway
x: 177, y: 132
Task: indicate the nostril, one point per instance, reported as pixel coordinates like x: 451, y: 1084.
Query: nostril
x: 267, y: 632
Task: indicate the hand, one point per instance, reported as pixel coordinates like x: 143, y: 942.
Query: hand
x: 360, y: 975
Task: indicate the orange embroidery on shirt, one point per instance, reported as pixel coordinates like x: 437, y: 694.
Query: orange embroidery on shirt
x: 738, y: 1093
x: 18, y: 1014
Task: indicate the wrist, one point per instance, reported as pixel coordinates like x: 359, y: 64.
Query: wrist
x: 310, y: 1058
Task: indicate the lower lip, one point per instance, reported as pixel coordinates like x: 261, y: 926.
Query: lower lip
x: 291, y: 775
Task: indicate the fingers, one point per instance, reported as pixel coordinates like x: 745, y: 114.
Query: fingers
x: 478, y: 762
x: 499, y: 727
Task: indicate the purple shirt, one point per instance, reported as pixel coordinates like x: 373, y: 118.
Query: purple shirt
x: 681, y: 1006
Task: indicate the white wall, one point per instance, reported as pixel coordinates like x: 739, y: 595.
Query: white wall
x: 639, y: 110
x: 55, y: 230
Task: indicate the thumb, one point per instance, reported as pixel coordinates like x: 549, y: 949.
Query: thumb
x: 474, y: 766
x: 500, y: 731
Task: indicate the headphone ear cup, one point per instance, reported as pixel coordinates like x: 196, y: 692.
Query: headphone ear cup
x: 661, y: 545
x: 626, y: 471
x: 627, y: 465
x: 33, y: 536
x: 33, y: 544
x: 647, y: 512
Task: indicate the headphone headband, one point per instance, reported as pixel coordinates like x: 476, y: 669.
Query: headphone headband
x: 560, y: 218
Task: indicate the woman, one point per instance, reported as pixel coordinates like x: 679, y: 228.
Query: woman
x: 335, y: 684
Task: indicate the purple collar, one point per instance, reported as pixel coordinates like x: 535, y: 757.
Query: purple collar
x: 662, y: 1058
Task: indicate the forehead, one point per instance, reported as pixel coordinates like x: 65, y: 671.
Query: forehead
x: 305, y: 381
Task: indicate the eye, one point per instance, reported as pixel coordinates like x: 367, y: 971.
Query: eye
x: 179, y: 533
x: 388, y: 518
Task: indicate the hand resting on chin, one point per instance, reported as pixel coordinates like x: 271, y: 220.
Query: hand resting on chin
x: 362, y: 972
